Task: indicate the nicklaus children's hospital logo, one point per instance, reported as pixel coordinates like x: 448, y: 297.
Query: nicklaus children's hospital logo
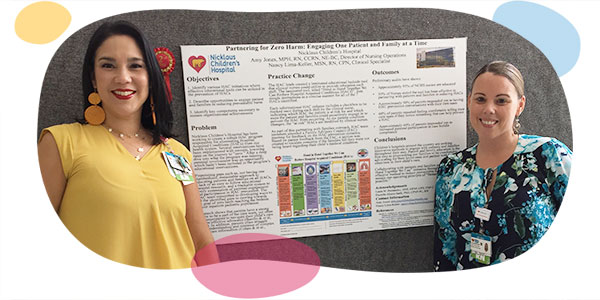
x: 219, y: 63
x: 197, y: 62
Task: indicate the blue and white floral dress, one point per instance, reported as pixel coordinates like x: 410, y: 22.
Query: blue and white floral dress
x: 527, y: 193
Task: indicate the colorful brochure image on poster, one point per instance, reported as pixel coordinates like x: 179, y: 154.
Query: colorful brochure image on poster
x: 308, y: 139
x: 318, y: 192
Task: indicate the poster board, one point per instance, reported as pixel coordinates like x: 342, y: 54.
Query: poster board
x: 305, y: 139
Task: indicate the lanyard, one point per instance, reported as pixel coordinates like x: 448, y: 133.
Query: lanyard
x: 481, y: 244
x: 483, y: 214
x: 166, y: 142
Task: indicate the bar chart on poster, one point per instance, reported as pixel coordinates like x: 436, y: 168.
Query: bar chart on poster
x: 310, y: 139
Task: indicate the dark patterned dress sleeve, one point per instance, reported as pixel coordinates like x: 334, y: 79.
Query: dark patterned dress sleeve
x: 558, y: 167
x: 444, y: 251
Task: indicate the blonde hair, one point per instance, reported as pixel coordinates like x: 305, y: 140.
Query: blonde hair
x: 506, y: 70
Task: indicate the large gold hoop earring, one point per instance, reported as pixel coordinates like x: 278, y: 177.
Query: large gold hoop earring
x: 94, y: 114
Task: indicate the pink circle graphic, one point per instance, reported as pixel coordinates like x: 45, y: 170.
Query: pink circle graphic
x: 257, y: 265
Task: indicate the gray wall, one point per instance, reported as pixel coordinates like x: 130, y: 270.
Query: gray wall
x: 398, y: 250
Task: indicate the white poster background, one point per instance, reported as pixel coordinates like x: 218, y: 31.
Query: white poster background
x: 40, y: 259
x: 395, y: 108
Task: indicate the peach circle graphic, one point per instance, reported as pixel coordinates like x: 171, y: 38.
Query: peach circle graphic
x: 42, y: 22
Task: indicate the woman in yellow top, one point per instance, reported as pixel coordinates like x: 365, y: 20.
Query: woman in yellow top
x: 113, y: 180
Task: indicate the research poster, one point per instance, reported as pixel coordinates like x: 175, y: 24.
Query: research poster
x: 311, y: 139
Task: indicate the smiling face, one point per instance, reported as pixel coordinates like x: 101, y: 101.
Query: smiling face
x: 121, y: 77
x: 493, y: 105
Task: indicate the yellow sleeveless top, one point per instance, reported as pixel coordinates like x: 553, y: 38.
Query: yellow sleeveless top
x: 129, y: 211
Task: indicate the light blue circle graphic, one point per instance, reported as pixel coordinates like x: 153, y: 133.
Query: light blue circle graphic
x: 552, y: 33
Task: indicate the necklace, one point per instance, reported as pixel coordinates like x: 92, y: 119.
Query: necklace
x: 122, y: 136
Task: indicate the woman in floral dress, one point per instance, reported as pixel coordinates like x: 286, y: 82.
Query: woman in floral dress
x: 496, y: 199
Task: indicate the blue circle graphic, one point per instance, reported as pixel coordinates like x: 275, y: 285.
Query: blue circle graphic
x: 552, y: 33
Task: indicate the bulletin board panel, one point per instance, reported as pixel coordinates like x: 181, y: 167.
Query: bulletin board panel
x: 394, y: 250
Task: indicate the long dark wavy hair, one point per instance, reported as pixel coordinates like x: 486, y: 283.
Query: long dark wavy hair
x: 157, y: 88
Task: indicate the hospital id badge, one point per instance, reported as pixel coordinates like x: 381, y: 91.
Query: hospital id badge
x: 481, y: 248
x: 178, y: 167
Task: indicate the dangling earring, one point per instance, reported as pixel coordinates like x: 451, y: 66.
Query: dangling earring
x: 152, y: 107
x: 516, y: 125
x: 94, y: 114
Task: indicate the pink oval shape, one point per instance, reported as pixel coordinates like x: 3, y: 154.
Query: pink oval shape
x: 272, y: 266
